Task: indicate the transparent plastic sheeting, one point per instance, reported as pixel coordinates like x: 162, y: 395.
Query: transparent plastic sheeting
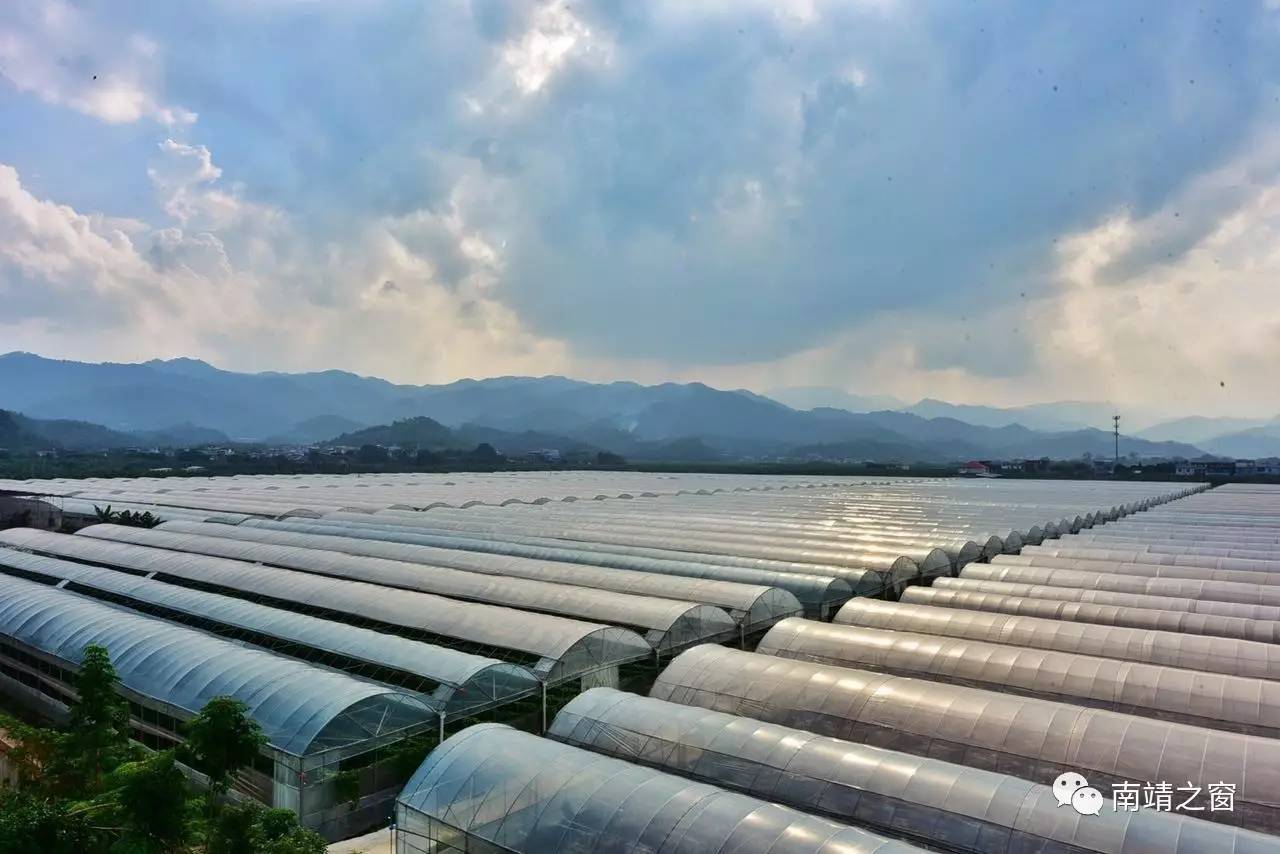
x: 1149, y: 570
x: 1029, y: 738
x: 874, y: 549
x: 520, y: 793
x: 554, y: 648
x: 669, y: 624
x: 865, y: 582
x: 940, y: 805
x: 1211, y: 700
x: 817, y: 593
x: 752, y: 606
x: 1156, y: 601
x: 461, y: 684
x: 734, y: 518
x: 1170, y: 648
x: 1028, y: 602
x: 1219, y: 591
x: 302, y: 709
x: 895, y: 561
x: 84, y: 507
x: 1255, y: 560
x: 895, y: 573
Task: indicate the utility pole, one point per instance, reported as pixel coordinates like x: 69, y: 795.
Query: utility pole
x: 1115, y: 421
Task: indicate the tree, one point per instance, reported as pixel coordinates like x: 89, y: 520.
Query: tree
x: 105, y: 514
x: 250, y: 829
x: 221, y: 740
x: 137, y: 520
x: 97, y: 737
x: 151, y: 803
x: 372, y: 454
x: 29, y: 822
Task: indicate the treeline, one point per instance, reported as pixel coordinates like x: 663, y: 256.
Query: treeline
x: 88, y: 788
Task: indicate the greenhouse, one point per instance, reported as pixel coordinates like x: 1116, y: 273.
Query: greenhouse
x: 1194, y: 697
x: 897, y: 571
x: 454, y: 684
x: 1160, y: 601
x: 679, y: 517
x: 667, y: 624
x: 1218, y: 591
x: 1092, y: 611
x: 937, y: 804
x: 1170, y: 648
x: 555, y: 649
x: 492, y: 789
x: 1150, y: 570
x: 752, y: 607
x: 318, y: 722
x: 864, y: 582
x: 819, y: 594
x: 1030, y: 738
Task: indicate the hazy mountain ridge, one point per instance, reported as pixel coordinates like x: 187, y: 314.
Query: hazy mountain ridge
x: 628, y: 418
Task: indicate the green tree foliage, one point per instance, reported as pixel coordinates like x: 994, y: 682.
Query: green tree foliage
x: 31, y: 822
x: 221, y: 740
x: 151, y: 805
x: 97, y: 738
x: 135, y: 519
x: 250, y: 829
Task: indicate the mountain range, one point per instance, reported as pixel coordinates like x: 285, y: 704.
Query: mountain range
x: 186, y: 401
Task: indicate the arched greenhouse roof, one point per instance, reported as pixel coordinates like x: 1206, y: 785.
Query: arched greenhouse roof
x: 554, y: 648
x: 668, y: 623
x: 1032, y: 738
x: 455, y: 683
x: 888, y: 791
x: 302, y: 709
x: 534, y: 795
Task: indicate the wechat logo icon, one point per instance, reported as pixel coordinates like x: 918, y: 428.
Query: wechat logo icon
x: 1072, y: 789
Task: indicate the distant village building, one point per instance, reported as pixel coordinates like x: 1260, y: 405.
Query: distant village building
x: 976, y: 468
x: 546, y: 455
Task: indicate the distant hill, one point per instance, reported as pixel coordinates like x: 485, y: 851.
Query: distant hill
x: 825, y: 397
x: 420, y: 432
x: 18, y: 432
x: 140, y: 403
x: 1254, y: 442
x: 180, y: 436
x: 316, y: 429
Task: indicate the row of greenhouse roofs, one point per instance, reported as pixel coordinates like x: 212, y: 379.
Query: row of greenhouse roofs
x: 347, y: 632
x: 928, y: 723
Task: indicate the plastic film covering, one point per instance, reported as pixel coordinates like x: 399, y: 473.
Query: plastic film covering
x: 817, y: 593
x: 1250, y: 560
x: 987, y: 598
x: 1137, y: 600
x: 940, y: 805
x: 455, y: 684
x: 679, y: 516
x: 897, y: 571
x: 1220, y: 591
x: 554, y: 648
x: 1030, y: 738
x: 752, y: 606
x: 517, y: 792
x: 84, y: 507
x: 1169, y: 648
x: 302, y: 709
x: 866, y: 581
x: 1211, y: 700
x: 1149, y: 570
x: 668, y: 624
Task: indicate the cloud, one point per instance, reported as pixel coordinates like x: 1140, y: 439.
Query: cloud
x: 52, y: 49
x: 757, y: 194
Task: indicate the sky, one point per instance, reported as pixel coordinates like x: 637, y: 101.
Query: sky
x: 983, y: 202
